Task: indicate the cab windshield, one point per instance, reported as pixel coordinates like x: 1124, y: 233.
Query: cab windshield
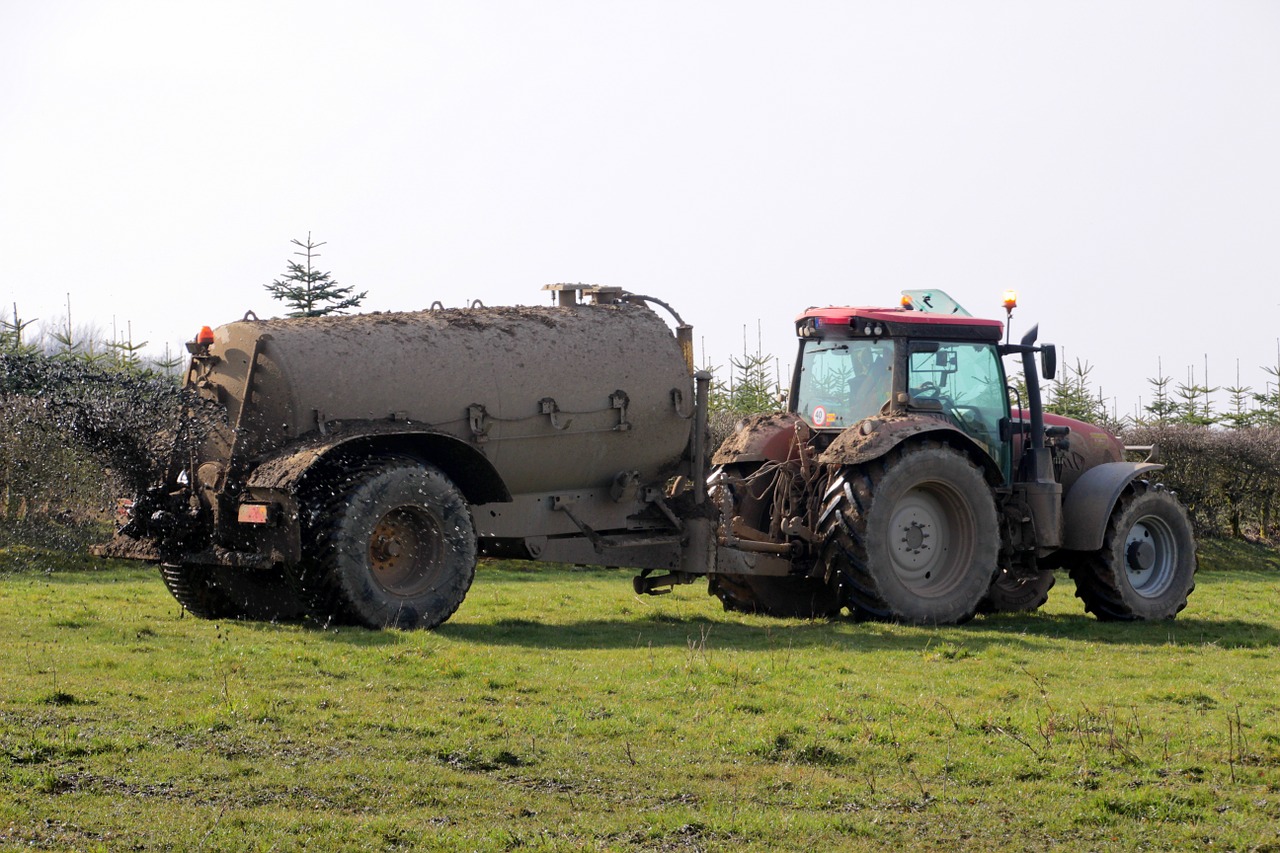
x: 842, y: 382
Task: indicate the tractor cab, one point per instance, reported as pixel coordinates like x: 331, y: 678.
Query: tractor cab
x: 927, y: 356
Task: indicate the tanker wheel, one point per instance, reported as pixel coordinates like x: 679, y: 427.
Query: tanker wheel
x: 912, y: 536
x: 394, y: 547
x: 217, y: 592
x: 1013, y: 594
x: 780, y: 597
x: 1147, y: 564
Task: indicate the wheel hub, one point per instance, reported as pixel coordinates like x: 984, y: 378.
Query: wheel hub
x: 1150, y: 556
x: 918, y: 522
x: 405, y: 551
x: 913, y: 537
x: 1141, y: 555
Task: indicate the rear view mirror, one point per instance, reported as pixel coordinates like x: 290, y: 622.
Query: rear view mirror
x: 1048, y: 361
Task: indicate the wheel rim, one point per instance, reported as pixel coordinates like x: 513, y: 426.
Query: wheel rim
x: 931, y: 539
x: 1150, y: 556
x: 406, y: 551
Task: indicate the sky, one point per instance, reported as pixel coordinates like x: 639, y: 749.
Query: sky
x: 1117, y: 163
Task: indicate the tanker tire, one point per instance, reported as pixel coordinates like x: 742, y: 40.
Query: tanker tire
x: 217, y: 592
x: 393, y: 547
x: 876, y: 529
x: 779, y: 597
x: 1147, y: 564
x: 1013, y: 594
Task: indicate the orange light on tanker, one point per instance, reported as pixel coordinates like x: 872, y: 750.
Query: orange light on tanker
x: 1010, y: 300
x: 253, y: 513
x: 205, y: 338
x: 907, y: 303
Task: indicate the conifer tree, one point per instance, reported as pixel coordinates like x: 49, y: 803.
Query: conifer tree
x: 307, y: 290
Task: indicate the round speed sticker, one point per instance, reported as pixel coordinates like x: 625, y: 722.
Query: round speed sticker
x: 819, y: 416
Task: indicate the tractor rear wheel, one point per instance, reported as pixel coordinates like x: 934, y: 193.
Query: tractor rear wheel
x: 394, y: 546
x: 219, y: 592
x: 781, y: 597
x: 912, y: 536
x: 1147, y: 564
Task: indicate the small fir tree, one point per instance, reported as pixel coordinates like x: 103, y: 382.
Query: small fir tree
x: 11, y: 334
x: 1194, y: 405
x: 1162, y: 409
x: 1240, y: 416
x: 1072, y: 396
x: 307, y: 290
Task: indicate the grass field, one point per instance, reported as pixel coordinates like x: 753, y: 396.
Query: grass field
x: 557, y: 711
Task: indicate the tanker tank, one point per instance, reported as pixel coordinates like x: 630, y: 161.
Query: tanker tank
x: 554, y: 397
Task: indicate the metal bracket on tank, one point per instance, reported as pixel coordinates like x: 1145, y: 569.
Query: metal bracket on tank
x: 619, y: 400
x: 547, y: 406
x: 677, y: 400
x: 479, y: 420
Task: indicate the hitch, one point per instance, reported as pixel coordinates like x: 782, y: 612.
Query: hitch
x: 660, y: 584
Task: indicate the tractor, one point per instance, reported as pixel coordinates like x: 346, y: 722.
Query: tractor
x: 908, y: 480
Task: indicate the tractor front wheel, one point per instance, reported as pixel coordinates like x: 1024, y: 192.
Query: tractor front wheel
x: 1010, y: 593
x: 1147, y: 564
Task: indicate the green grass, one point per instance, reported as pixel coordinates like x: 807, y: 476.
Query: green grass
x: 557, y: 711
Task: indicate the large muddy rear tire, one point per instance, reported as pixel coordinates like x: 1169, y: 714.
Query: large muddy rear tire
x: 217, y: 592
x: 912, y: 536
x: 1147, y: 564
x: 394, y: 547
x: 780, y: 597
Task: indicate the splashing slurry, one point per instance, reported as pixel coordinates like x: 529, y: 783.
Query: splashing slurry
x: 76, y: 435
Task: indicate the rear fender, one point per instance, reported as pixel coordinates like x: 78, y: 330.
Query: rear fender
x: 759, y: 438
x: 1087, y: 506
x: 872, y: 438
x: 469, y: 470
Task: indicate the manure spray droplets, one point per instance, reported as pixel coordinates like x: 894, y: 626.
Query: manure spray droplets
x: 76, y: 435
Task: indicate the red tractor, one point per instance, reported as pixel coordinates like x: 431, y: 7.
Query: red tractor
x: 908, y: 481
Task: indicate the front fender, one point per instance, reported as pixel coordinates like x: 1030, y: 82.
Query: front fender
x: 1087, y: 506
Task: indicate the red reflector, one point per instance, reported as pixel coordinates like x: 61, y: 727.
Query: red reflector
x: 206, y: 336
x: 253, y: 513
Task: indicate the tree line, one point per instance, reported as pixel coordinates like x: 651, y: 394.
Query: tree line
x: 74, y: 399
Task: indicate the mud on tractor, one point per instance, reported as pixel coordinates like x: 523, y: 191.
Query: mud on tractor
x: 916, y: 492
x: 354, y: 468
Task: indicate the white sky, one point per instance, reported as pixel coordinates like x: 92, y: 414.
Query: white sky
x: 1118, y: 163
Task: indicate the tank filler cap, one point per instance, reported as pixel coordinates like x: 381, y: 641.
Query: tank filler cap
x: 568, y: 295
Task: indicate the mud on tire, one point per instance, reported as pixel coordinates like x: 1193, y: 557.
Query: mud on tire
x: 1147, y: 564
x: 911, y: 537
x: 393, y: 545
